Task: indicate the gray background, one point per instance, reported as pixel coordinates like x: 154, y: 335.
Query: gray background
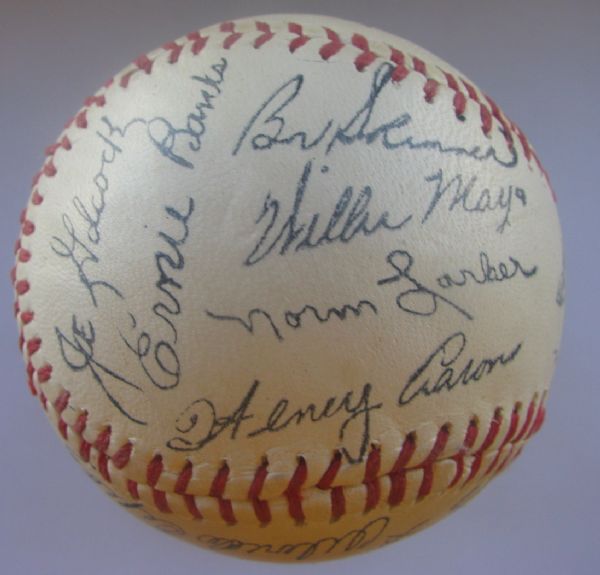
x: 539, y: 60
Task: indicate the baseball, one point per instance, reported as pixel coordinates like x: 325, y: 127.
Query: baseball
x: 291, y: 288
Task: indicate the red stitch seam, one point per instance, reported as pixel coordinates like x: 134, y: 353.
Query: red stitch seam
x: 293, y: 492
x: 488, y: 110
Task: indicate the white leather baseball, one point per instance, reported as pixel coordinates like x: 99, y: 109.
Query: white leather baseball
x: 291, y: 288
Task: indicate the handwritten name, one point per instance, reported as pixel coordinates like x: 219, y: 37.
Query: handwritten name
x: 297, y: 319
x: 487, y: 273
x: 413, y: 297
x: 351, y: 217
x: 168, y: 138
x: 275, y: 124
x: 78, y: 350
x: 349, y: 542
x: 165, y: 372
x: 79, y: 240
x: 465, y: 195
x: 201, y: 423
x: 446, y: 368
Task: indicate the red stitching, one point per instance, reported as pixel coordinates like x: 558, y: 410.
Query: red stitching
x: 400, y: 71
x: 27, y: 317
x: 30, y: 370
x: 184, y: 478
x: 371, y: 480
x: 419, y: 66
x: 132, y: 488
x: 81, y: 120
x: 174, y: 50
x: 198, y: 42
x: 44, y: 373
x: 329, y: 475
x: 427, y: 466
x: 33, y: 346
x: 190, y: 503
x: 24, y: 256
x: 49, y: 169
x: 487, y: 442
x: 267, y: 34
x: 459, y: 101
x: 22, y: 287
x: 293, y: 492
x: 430, y: 89
x: 103, y: 440
x: 261, y: 507
x: 301, y: 39
x: 217, y: 490
x: 229, y: 28
x: 154, y: 470
x: 459, y: 458
x: 334, y: 45
x: 63, y: 143
x: 99, y: 101
x: 37, y: 200
x: 121, y: 458
x: 160, y: 500
x: 338, y: 503
x: 512, y: 429
x: 367, y: 57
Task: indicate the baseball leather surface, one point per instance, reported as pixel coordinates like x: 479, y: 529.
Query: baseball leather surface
x: 291, y: 288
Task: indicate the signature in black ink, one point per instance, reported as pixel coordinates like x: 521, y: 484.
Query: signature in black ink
x: 441, y: 371
x: 415, y: 298
x: 275, y: 124
x: 78, y: 352
x: 166, y: 372
x: 295, y: 319
x: 350, y: 218
x: 464, y: 194
x: 487, y: 273
x: 200, y: 423
x: 166, y: 137
x: 80, y: 247
x: 349, y: 542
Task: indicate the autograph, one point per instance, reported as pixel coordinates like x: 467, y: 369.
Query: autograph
x: 351, y: 217
x: 353, y: 540
x: 446, y: 369
x: 79, y: 240
x: 166, y: 372
x: 201, y: 422
x: 414, y: 297
x: 464, y: 195
x: 275, y: 124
